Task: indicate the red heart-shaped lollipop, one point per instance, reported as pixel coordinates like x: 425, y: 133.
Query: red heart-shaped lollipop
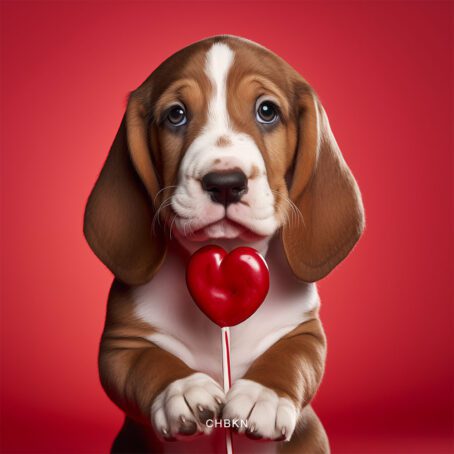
x: 228, y: 288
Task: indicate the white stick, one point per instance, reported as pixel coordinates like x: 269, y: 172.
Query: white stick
x: 225, y: 333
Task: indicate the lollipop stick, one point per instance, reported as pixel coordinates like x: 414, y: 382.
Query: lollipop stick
x: 226, y: 358
x: 225, y: 333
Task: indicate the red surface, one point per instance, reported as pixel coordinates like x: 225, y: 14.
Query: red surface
x: 384, y: 73
x: 228, y: 288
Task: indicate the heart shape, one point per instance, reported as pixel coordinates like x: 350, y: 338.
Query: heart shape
x: 228, y: 288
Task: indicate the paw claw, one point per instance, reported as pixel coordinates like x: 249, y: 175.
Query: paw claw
x: 183, y: 408
x: 189, y: 428
x: 269, y: 416
x: 205, y: 415
x: 253, y: 434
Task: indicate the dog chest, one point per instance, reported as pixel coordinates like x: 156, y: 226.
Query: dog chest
x: 180, y: 328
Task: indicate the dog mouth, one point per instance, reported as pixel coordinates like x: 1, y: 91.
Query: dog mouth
x: 223, y: 228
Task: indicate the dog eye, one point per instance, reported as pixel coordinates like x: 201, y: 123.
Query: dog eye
x: 267, y: 112
x: 177, y: 116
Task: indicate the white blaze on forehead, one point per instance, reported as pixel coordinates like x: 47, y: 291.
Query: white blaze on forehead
x: 219, y: 60
x: 193, y: 205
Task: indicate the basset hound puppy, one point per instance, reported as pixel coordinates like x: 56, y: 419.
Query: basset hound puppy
x: 224, y: 144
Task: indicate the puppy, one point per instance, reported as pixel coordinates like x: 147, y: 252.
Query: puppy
x: 223, y: 144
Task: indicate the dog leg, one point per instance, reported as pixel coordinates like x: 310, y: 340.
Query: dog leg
x: 309, y: 436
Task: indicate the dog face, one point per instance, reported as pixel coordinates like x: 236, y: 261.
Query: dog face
x: 224, y: 141
x: 237, y: 119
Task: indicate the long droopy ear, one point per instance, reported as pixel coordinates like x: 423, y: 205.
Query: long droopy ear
x: 119, y: 211
x: 326, y: 193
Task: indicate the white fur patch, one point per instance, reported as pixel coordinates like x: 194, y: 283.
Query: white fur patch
x: 268, y: 415
x: 183, y: 329
x: 219, y: 59
x: 181, y: 401
x: 194, y: 208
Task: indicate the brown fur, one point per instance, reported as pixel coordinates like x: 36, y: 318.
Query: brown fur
x: 118, y: 218
x: 326, y: 194
x: 309, y: 436
x: 133, y: 371
x: 138, y: 174
x: 223, y: 141
x: 323, y: 188
x: 121, y: 206
x: 293, y: 366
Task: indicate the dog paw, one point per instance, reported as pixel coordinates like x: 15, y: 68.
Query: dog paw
x: 184, y: 407
x: 259, y: 412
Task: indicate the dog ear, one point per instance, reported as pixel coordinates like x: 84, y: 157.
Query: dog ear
x: 119, y: 211
x: 325, y: 191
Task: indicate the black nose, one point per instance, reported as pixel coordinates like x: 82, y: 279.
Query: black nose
x: 225, y: 187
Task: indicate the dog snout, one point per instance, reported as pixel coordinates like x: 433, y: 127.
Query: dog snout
x: 225, y: 187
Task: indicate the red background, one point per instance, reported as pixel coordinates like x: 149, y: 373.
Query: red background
x: 384, y: 73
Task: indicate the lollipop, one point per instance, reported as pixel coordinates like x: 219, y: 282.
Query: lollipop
x: 228, y: 289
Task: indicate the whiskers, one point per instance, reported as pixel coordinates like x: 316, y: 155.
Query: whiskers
x: 292, y: 214
x: 187, y: 229
x: 162, y: 190
x: 171, y: 225
x: 164, y: 204
x: 187, y: 224
x: 171, y: 217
